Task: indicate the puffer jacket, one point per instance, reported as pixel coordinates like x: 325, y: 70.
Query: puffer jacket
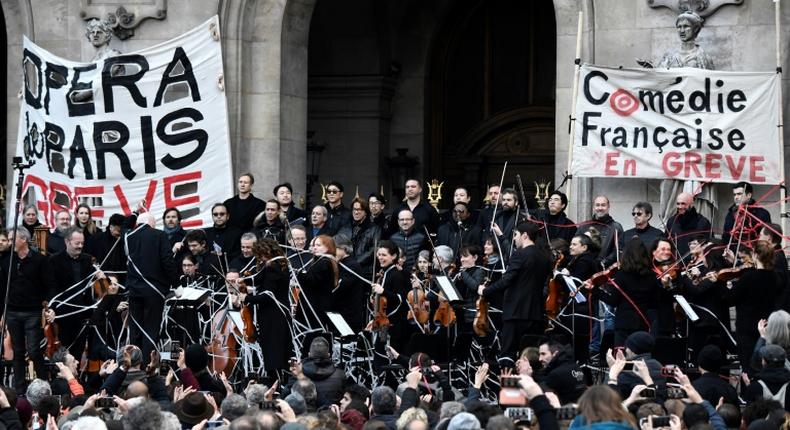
x: 327, y: 378
x: 412, y: 242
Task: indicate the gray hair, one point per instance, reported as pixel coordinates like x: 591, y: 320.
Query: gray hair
x: 249, y: 236
x: 37, y: 390
x: 444, y: 253
x: 464, y: 421
x: 343, y: 242
x: 777, y: 332
x: 323, y: 209
x: 146, y: 218
x: 135, y: 355
x: 70, y: 232
x: 255, y: 394
x: 23, y: 233
x: 233, y: 406
x: 450, y: 409
x: 170, y: 421
x: 90, y: 423
x: 297, y: 403
x: 145, y: 416
x: 30, y: 206
x: 383, y: 401
x: 307, y: 389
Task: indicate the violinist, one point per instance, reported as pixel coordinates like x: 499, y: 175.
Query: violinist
x: 771, y: 234
x: 423, y: 265
x: 71, y: 270
x: 469, y: 277
x: 491, y: 260
x: 666, y: 269
x: 634, y: 291
x: 348, y: 299
x: 318, y: 278
x: 107, y: 320
x: 582, y: 265
x: 28, y: 289
x: 245, y: 261
x: 394, y: 286
x: 705, y: 291
x: 208, y: 263
x: 443, y: 264
x: 271, y: 299
x: 752, y: 294
x: 523, y: 310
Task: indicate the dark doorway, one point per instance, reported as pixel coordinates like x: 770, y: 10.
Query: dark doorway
x: 490, y: 94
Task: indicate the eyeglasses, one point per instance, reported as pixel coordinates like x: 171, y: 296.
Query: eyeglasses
x: 219, y: 213
x: 374, y: 203
x: 358, y: 210
x: 332, y: 191
x: 636, y: 213
x: 405, y: 219
x: 459, y: 211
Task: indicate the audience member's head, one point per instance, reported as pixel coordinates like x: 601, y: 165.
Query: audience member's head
x: 640, y: 342
x: 233, y: 406
x: 37, y: 390
x: 464, y: 421
x: 383, y: 401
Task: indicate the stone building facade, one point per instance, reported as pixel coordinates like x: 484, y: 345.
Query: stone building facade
x: 462, y: 84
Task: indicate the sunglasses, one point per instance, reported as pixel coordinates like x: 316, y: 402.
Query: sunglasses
x: 332, y: 191
x: 637, y: 213
x: 219, y: 214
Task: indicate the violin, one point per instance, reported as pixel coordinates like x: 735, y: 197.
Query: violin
x: 602, y: 277
x: 553, y: 299
x: 731, y: 273
x: 480, y: 323
x: 50, y: 331
x: 246, y: 313
x: 380, y: 319
x: 417, y: 303
x: 445, y: 315
x: 100, y: 286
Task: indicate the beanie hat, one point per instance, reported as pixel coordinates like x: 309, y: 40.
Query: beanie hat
x: 710, y: 359
x: 640, y: 342
x: 353, y: 419
x: 773, y: 354
x: 464, y: 421
x: 196, y: 358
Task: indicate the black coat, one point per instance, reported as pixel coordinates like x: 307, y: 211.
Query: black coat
x: 364, y: 236
x: 30, y: 283
x: 241, y: 213
x: 101, y: 244
x: 337, y: 218
x: 425, y: 215
x: 328, y: 380
x: 273, y: 315
x: 648, y: 235
x: 774, y: 378
x: 317, y: 285
x: 455, y: 236
x: 559, y: 226
x: 275, y: 231
x: 684, y: 227
x: 643, y: 290
x: 348, y: 299
x: 412, y: 242
x: 751, y: 295
x: 228, y: 238
x: 296, y: 216
x: 55, y: 243
x: 712, y: 387
x: 565, y: 377
x: 523, y: 282
x: 607, y: 226
x: 63, y: 276
x: 751, y: 227
x: 150, y: 261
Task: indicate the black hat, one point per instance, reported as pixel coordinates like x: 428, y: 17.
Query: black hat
x: 710, y: 358
x: 640, y: 342
x: 116, y: 219
x: 196, y: 358
x: 284, y: 184
x: 773, y: 354
x: 193, y: 409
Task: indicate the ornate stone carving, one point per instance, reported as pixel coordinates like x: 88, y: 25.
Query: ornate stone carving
x: 123, y: 16
x: 703, y: 8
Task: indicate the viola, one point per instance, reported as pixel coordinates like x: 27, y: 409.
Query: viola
x: 418, y: 304
x: 553, y: 299
x: 380, y: 319
x: 50, y: 331
x: 480, y: 323
x: 445, y: 315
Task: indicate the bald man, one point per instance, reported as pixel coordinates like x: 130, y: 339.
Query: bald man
x: 151, y: 271
x: 686, y: 223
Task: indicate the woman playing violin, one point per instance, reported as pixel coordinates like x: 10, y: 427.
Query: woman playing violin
x: 469, y: 277
x: 394, y: 286
x: 271, y: 298
x: 582, y: 264
x: 752, y: 294
x: 637, y: 297
x: 318, y: 279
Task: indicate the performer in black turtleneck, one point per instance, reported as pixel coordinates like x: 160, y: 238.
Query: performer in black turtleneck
x: 558, y: 224
x: 686, y: 223
x: 461, y: 230
x: 610, y: 230
x: 641, y: 213
x: 363, y: 234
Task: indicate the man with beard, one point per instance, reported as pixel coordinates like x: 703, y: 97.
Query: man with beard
x: 223, y: 235
x: 245, y: 261
x: 610, y: 230
x: 377, y: 205
x: 425, y: 215
x: 363, y: 235
x: 284, y: 195
x: 747, y: 229
x: 70, y: 268
x: 642, y: 213
x: 558, y: 225
x: 461, y: 230
x: 268, y: 223
x: 686, y: 223
x: 338, y: 216
x: 56, y: 240
x: 243, y: 207
x: 172, y: 227
x: 486, y: 214
x: 506, y: 220
x: 560, y: 372
x: 408, y: 238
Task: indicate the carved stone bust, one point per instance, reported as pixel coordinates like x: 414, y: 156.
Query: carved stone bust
x: 689, y: 54
x: 99, y: 35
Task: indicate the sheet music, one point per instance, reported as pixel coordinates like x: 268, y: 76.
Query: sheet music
x: 235, y: 318
x: 193, y: 294
x: 448, y: 288
x: 686, y: 308
x: 579, y: 297
x: 340, y: 324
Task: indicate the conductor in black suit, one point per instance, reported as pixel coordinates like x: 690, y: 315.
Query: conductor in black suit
x: 151, y: 271
x: 522, y: 282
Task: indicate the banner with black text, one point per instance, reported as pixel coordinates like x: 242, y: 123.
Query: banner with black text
x: 150, y: 125
x: 685, y: 123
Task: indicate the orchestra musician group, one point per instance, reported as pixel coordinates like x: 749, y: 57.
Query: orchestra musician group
x: 519, y: 272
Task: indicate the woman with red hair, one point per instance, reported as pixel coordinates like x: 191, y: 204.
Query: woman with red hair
x: 318, y: 278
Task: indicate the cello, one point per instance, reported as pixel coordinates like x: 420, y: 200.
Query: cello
x: 222, y: 348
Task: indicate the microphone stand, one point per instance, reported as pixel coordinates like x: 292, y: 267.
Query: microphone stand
x: 18, y: 165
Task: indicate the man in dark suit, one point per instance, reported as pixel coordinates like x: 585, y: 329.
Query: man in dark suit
x: 523, y: 310
x: 151, y: 271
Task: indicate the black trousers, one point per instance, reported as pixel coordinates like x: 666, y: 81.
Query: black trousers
x: 513, y: 331
x: 26, y: 335
x: 145, y: 313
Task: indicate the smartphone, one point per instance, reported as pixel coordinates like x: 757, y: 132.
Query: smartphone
x: 269, y: 406
x: 520, y: 414
x: 567, y: 413
x: 660, y: 421
x: 214, y: 424
x: 105, y: 402
x: 648, y: 393
x: 629, y: 366
x: 511, y: 393
x: 668, y: 371
x: 165, y: 366
x: 676, y: 393
x: 175, y: 350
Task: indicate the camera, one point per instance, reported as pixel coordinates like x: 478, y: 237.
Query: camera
x: 104, y: 402
x: 511, y: 393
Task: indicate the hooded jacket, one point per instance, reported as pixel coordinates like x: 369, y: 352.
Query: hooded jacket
x: 565, y: 377
x: 327, y: 378
x: 773, y: 378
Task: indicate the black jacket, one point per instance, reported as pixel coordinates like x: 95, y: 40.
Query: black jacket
x: 55, y: 242
x: 348, y: 299
x: 228, y: 238
x: 559, y: 226
x: 317, y: 285
x: 607, y: 226
x: 648, y: 235
x: 457, y: 235
x: 712, y: 387
x: 327, y: 378
x: 643, y: 290
x: 751, y: 227
x: 749, y: 296
x: 64, y: 274
x: 364, y: 236
x: 241, y: 213
x: 412, y: 242
x: 274, y: 231
x: 523, y: 282
x: 425, y: 215
x: 30, y: 283
x: 296, y: 216
x: 565, y: 377
x: 273, y: 315
x: 337, y: 218
x: 626, y: 381
x: 101, y: 244
x: 684, y: 227
x: 774, y: 378
x: 150, y: 261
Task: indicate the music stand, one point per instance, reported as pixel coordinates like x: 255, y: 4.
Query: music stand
x: 342, y: 328
x: 448, y: 289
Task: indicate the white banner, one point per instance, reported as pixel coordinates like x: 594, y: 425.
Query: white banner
x: 685, y: 123
x: 150, y: 125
